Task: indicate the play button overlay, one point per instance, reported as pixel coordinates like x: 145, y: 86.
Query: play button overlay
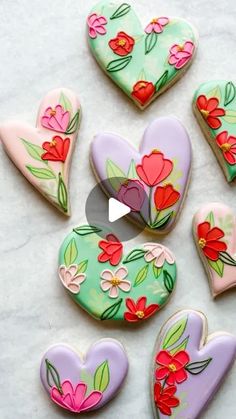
x: 112, y: 211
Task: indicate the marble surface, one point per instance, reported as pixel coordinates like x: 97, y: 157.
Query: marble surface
x: 43, y: 46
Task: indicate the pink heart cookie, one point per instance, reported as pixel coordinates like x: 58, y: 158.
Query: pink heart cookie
x: 43, y: 154
x: 214, y: 227
x: 188, y: 365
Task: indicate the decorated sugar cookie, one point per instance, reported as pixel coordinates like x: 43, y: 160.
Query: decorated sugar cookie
x: 188, y: 365
x: 110, y: 283
x: 160, y: 170
x: 214, y: 234
x: 43, y: 154
x: 81, y: 384
x: 143, y: 61
x: 214, y: 105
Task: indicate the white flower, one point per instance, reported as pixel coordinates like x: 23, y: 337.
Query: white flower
x: 160, y: 254
x: 70, y: 279
x: 113, y: 281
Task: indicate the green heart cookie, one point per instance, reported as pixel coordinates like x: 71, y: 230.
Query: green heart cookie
x: 143, y: 62
x: 109, y: 284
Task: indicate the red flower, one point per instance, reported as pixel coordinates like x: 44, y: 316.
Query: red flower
x: 164, y: 398
x: 228, y: 146
x: 154, y: 168
x: 172, y: 367
x: 112, y: 250
x: 132, y: 194
x: 165, y: 197
x: 56, y: 150
x: 122, y: 44
x: 210, y: 111
x: 143, y: 91
x: 138, y: 310
x: 208, y: 240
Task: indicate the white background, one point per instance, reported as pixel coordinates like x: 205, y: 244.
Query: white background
x: 43, y: 46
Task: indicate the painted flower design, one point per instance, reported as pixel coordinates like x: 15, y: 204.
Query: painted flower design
x: 112, y: 250
x: 227, y: 144
x: 75, y: 399
x: 156, y: 25
x: 122, y: 44
x: 143, y: 91
x: 159, y: 254
x: 70, y: 279
x: 132, y: 193
x: 113, y: 281
x: 138, y: 310
x: 209, y: 240
x: 56, y: 150
x: 180, y: 55
x: 210, y: 111
x: 96, y: 25
x: 172, y: 367
x: 154, y: 168
x: 165, y: 197
x: 165, y: 398
x: 56, y: 119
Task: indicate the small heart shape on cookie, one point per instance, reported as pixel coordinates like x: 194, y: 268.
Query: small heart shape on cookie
x: 109, y: 284
x: 214, y: 227
x: 214, y: 106
x: 43, y: 154
x: 159, y: 171
x: 80, y: 385
x: 143, y: 62
x: 188, y: 365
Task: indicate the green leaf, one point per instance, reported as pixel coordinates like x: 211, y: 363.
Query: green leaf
x: 102, y: 377
x: 168, y: 281
x: 217, y: 266
x: 230, y: 93
x: 132, y: 174
x: 53, y: 378
x: 175, y: 333
x: 150, y: 42
x: 115, y: 175
x: 65, y: 102
x: 210, y: 218
x: 181, y: 347
x: 134, y: 255
x: 161, y: 81
x: 119, y: 64
x: 62, y: 195
x: 216, y: 92
x: 85, y: 230
x: 198, y: 367
x: 122, y: 10
x: 163, y: 222
x: 156, y: 271
x: 74, y: 124
x: 82, y: 266
x: 41, y: 173
x: 230, y: 116
x: 71, y: 253
x: 141, y: 275
x: 87, y: 378
x: 33, y: 150
x: 111, y: 311
x: 227, y: 258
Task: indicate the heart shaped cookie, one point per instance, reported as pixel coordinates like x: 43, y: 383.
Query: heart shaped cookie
x: 160, y: 170
x: 188, y: 365
x: 109, y: 284
x: 43, y: 154
x: 142, y: 61
x: 214, y: 105
x: 214, y: 227
x: 80, y: 385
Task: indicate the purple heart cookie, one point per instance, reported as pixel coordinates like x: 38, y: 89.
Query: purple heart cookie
x: 80, y: 385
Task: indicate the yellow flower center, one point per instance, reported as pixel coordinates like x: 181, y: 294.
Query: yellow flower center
x: 140, y: 314
x: 53, y: 112
x: 180, y: 47
x: 202, y: 243
x: 172, y: 367
x: 155, y: 20
x: 155, y: 150
x: 204, y: 113
x: 115, y: 281
x: 53, y: 143
x: 225, y: 147
x: 122, y: 42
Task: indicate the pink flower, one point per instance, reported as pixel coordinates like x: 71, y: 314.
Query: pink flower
x: 156, y: 25
x: 160, y: 254
x: 113, y: 281
x: 75, y: 400
x: 56, y: 119
x: 181, y: 54
x: 96, y: 25
x: 70, y: 279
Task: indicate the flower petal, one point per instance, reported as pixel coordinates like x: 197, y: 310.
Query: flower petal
x: 125, y: 285
x: 114, y: 291
x: 107, y: 274
x: 105, y: 285
x: 164, y: 358
x: 91, y: 401
x: 121, y: 272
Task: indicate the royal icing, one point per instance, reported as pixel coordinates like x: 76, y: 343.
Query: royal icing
x: 214, y: 234
x: 188, y: 365
x: 43, y: 154
x: 214, y: 105
x: 157, y: 175
x: 110, y: 284
x: 142, y: 61
x: 80, y: 385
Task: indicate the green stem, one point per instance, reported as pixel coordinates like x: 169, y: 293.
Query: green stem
x: 150, y: 205
x: 156, y: 217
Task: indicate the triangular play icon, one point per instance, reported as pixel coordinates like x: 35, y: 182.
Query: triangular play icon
x: 117, y: 210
